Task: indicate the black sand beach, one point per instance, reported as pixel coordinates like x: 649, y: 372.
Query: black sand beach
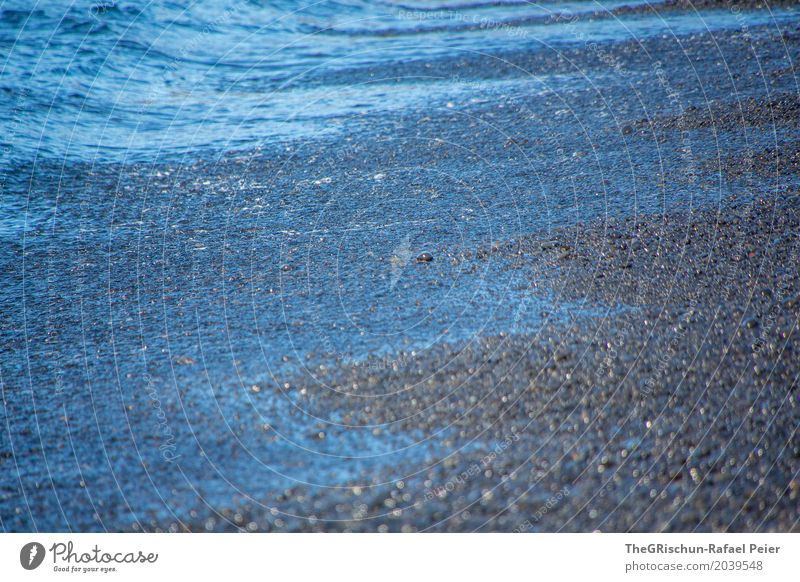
x: 677, y: 413
x: 605, y: 338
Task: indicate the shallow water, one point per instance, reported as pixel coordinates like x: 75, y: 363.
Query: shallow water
x: 118, y: 82
x: 200, y: 199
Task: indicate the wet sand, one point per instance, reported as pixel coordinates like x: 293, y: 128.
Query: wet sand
x: 605, y: 338
x: 677, y: 410
x: 674, y: 406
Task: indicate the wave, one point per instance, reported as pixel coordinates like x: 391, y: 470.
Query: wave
x: 77, y: 81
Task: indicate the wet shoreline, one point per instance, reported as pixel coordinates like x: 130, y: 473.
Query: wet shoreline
x: 604, y: 338
x: 632, y: 422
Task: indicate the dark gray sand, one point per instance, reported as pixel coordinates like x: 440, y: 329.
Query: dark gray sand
x: 612, y: 303
x: 677, y: 412
x: 673, y: 407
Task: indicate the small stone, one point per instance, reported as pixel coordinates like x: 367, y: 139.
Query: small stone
x: 751, y: 323
x: 425, y: 258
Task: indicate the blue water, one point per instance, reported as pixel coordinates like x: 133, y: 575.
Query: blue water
x: 130, y: 81
x: 161, y: 164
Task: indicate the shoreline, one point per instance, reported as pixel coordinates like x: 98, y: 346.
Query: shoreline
x: 614, y: 236
x: 698, y: 423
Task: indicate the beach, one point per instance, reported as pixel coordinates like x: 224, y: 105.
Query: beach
x: 234, y: 328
